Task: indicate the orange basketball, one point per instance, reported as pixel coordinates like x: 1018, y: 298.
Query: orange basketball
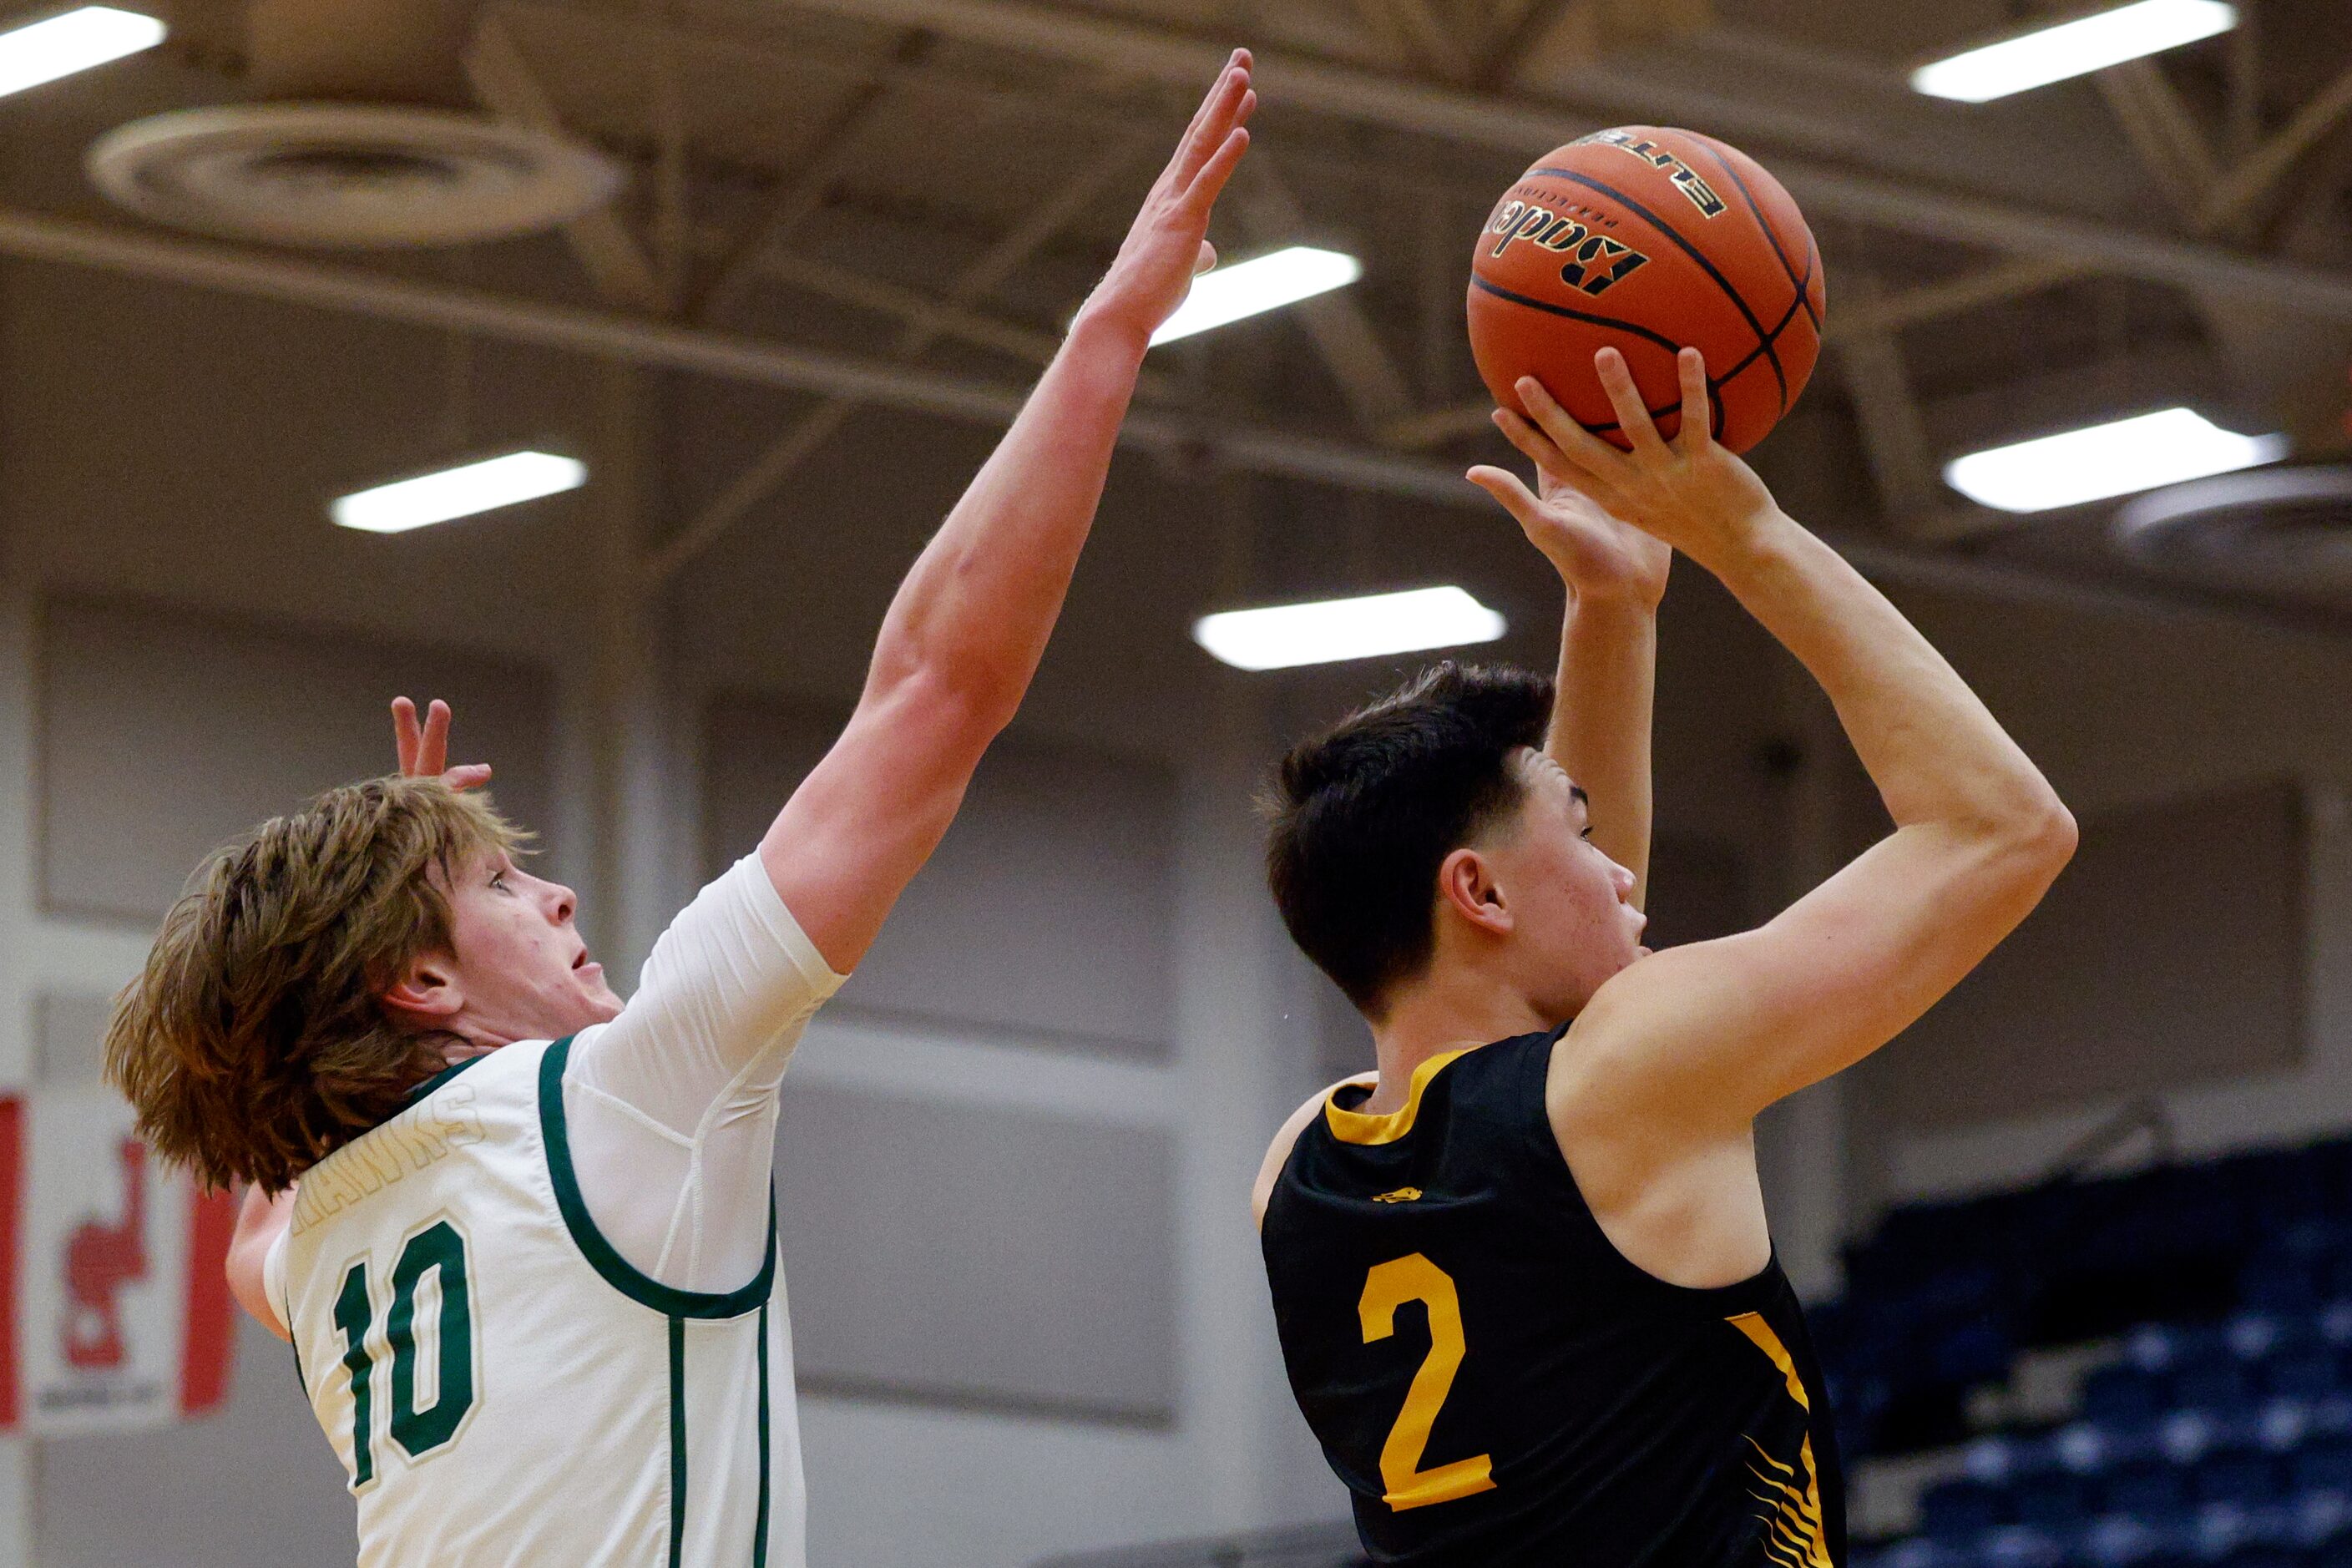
x: 1649, y: 239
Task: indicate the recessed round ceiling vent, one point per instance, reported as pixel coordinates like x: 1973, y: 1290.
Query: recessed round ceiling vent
x: 2288, y: 531
x: 348, y: 175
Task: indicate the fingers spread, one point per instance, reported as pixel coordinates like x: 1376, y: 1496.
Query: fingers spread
x: 1508, y: 489
x: 1571, y: 439
x: 1632, y: 414
x: 1216, y: 117
x: 1204, y: 191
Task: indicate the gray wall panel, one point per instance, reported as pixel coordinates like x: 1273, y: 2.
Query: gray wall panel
x: 164, y: 734
x: 2173, y: 950
x: 970, y: 1255
x: 1047, y: 912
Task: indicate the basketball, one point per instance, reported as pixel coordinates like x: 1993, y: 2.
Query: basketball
x: 1649, y: 239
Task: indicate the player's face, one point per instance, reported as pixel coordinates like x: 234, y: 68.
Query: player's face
x: 522, y: 969
x: 1575, y: 924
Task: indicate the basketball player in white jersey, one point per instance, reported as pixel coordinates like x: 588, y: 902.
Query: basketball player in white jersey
x: 530, y: 1270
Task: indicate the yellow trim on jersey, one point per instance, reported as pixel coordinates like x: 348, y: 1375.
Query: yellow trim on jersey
x: 1355, y: 1127
x: 1794, y: 1512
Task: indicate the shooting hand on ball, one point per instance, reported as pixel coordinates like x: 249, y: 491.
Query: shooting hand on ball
x: 1601, y: 557
x: 1169, y: 242
x: 1689, y: 492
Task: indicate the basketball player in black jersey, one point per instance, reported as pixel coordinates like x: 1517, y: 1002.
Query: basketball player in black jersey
x: 1522, y: 1277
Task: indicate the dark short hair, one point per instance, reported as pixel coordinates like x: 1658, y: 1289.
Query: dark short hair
x: 1365, y: 813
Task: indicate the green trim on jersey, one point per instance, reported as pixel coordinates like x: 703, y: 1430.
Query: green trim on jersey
x: 640, y: 1288
x: 677, y: 1441
x: 444, y: 1076
x: 759, y: 1528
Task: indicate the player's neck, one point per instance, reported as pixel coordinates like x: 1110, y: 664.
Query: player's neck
x: 1449, y: 1009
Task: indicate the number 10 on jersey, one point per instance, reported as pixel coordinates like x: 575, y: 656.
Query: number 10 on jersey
x: 435, y: 1255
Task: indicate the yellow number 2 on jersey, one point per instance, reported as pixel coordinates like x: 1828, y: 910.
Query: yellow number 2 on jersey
x: 1387, y: 1287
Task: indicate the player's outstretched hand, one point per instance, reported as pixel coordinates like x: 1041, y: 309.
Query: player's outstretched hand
x: 424, y: 750
x: 1688, y: 492
x: 1601, y: 557
x: 1169, y: 242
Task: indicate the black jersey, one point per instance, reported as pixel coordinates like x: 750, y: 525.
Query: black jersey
x: 1498, y: 1384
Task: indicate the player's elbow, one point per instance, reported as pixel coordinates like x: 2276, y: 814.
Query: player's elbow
x: 2045, y: 835
x: 960, y: 707
x: 2030, y: 844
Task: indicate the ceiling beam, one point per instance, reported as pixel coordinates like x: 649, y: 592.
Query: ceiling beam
x: 1189, y: 444
x: 2238, y: 194
x: 786, y: 455
x: 1193, y: 444
x: 503, y: 80
x: 1515, y: 125
x: 1351, y: 347
x: 824, y: 157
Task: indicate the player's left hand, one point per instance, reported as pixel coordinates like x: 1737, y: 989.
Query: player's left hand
x: 424, y: 750
x: 1601, y: 556
x: 1169, y: 242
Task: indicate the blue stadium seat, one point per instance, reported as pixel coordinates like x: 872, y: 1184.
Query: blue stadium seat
x: 2002, y: 1459
x: 2214, y: 1382
x: 2259, y: 1336
x: 2147, y: 1489
x: 2123, y: 1395
x: 1924, y: 1553
x: 2190, y: 1436
x: 2319, y: 1517
x: 2266, y: 1556
x: 2163, y: 1347
x: 1951, y: 1509
x: 2308, y: 1373
x: 2323, y: 1464
x: 2054, y: 1502
x: 2248, y: 1479
x: 2132, y: 1540
x: 2097, y: 1448
x: 2020, y: 1546
x: 2283, y: 1283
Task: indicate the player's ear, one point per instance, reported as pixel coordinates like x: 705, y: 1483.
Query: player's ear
x: 1467, y: 884
x: 428, y: 993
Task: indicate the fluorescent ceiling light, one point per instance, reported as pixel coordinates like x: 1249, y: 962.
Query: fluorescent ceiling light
x: 1324, y: 633
x: 75, y: 41
x: 2071, y: 48
x: 2135, y: 454
x: 1248, y: 287
x: 459, y: 493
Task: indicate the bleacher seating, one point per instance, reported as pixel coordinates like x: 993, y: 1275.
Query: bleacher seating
x: 2218, y: 1436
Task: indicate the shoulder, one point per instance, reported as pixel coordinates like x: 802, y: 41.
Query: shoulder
x: 1277, y: 1153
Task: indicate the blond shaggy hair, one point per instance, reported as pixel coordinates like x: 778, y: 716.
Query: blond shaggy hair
x: 256, y: 1041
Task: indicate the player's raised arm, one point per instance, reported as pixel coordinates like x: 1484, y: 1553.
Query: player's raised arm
x: 1615, y: 575
x: 1699, y: 1040
x: 965, y: 633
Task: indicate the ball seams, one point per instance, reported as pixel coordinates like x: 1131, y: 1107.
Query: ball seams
x: 1804, y: 285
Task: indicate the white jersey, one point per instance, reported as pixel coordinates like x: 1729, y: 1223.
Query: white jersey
x: 538, y: 1313
x: 502, y: 1387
